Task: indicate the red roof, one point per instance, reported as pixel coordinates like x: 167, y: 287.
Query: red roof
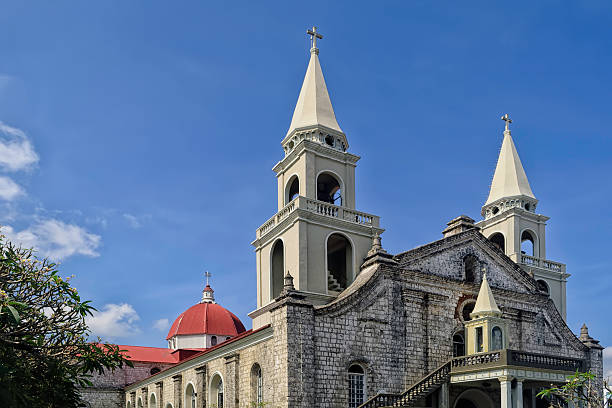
x: 206, y: 318
x: 149, y: 354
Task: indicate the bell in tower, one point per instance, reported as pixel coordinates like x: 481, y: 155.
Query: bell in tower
x: 317, y: 235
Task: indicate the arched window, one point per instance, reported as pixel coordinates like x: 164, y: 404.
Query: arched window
x: 128, y: 404
x: 152, y: 401
x: 470, y: 264
x: 216, y: 391
x: 479, y: 340
x: 213, y: 341
x: 328, y: 189
x: 139, y: 403
x: 155, y: 370
x: 458, y: 344
x: 527, y: 243
x: 543, y: 286
x: 357, y: 391
x: 278, y: 266
x: 293, y: 189
x: 499, y: 240
x: 339, y: 263
x: 256, y: 384
x: 190, y: 396
x: 497, y: 340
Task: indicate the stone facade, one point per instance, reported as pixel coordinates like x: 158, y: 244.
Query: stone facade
x: 397, y: 320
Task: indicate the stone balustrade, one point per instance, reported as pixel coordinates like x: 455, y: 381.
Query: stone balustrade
x: 542, y: 263
x: 509, y: 357
x: 320, y: 208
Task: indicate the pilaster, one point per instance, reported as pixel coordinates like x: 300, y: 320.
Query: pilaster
x: 145, y: 396
x: 159, y: 393
x: 201, y: 388
x: 177, y: 381
x: 231, y: 390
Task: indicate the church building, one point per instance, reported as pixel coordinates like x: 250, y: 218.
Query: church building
x: 474, y: 319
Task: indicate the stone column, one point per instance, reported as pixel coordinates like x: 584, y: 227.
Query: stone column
x: 443, y: 397
x: 518, y: 394
x: 230, y: 385
x: 505, y: 385
x: 201, y: 388
x: 159, y: 393
x: 178, y: 387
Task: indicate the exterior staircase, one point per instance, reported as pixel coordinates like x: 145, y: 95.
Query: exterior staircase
x: 332, y: 283
x: 416, y: 392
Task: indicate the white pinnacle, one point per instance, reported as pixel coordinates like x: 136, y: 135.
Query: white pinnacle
x: 485, y: 303
x: 314, y: 106
x: 509, y: 179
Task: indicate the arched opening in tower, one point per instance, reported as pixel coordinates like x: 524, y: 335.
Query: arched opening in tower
x: 277, y: 268
x: 339, y: 263
x: 328, y: 189
x: 527, y: 243
x: 293, y: 189
x: 499, y: 240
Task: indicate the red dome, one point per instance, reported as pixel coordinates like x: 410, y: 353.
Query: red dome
x: 206, y: 318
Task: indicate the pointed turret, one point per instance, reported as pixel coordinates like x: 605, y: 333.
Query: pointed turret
x: 314, y: 108
x: 510, y: 187
x: 509, y: 179
x: 485, y: 303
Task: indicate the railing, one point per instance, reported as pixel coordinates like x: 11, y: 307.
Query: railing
x: 542, y: 263
x: 526, y: 359
x: 321, y: 208
x: 477, y: 360
x: 419, y: 390
x: 515, y: 358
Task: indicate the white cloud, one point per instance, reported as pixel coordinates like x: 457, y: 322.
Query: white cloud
x: 136, y: 221
x: 161, y: 324
x: 16, y: 150
x: 114, y: 321
x: 607, y: 362
x: 9, y: 190
x: 55, y: 239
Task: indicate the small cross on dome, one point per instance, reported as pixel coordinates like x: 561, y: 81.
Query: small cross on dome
x: 208, y: 292
x: 208, y: 275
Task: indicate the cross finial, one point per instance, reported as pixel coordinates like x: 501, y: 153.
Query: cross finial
x: 313, y: 38
x: 508, y: 121
x: 208, y: 275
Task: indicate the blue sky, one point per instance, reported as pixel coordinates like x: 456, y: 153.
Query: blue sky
x: 138, y: 137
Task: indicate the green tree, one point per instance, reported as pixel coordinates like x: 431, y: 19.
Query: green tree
x: 45, y: 355
x: 581, y: 389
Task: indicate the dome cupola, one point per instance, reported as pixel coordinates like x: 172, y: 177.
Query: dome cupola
x: 204, y: 324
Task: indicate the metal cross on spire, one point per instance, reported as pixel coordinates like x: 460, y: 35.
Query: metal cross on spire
x: 313, y: 37
x: 208, y: 275
x: 508, y: 121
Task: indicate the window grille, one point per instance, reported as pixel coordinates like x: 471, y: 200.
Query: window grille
x: 259, y: 386
x: 356, y: 386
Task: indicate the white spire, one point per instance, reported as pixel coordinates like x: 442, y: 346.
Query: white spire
x: 509, y: 179
x: 485, y: 303
x: 314, y: 106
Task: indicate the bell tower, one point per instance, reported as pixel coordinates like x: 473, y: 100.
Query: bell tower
x: 317, y: 235
x: 511, y: 222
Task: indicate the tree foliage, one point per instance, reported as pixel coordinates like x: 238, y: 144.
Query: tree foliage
x: 581, y: 389
x: 45, y: 355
